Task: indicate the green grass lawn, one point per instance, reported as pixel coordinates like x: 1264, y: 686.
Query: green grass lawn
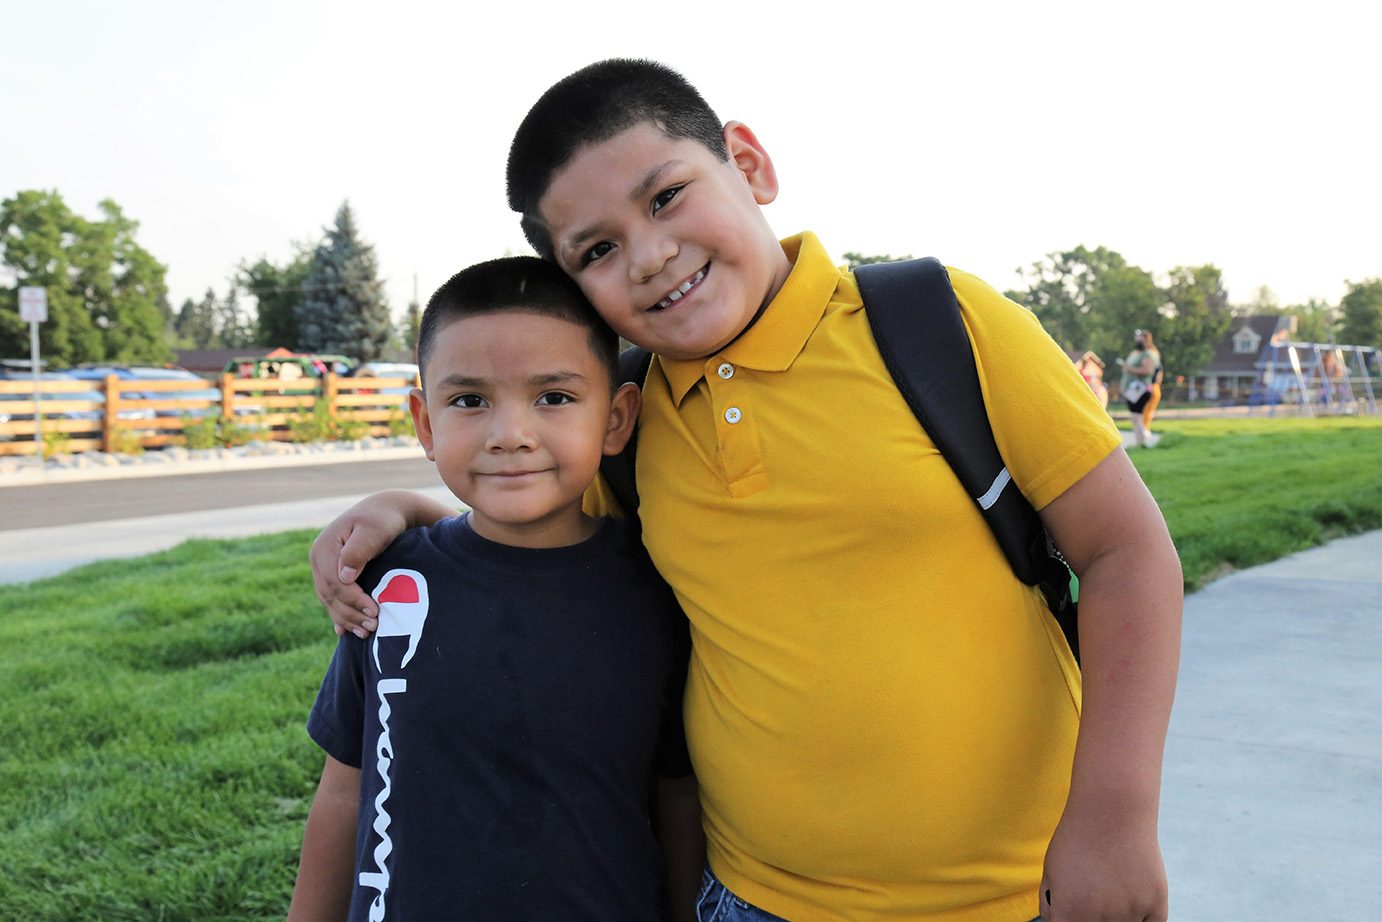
x: 156, y: 767
x: 1239, y: 492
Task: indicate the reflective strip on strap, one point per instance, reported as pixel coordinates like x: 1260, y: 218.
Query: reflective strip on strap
x: 1002, y: 480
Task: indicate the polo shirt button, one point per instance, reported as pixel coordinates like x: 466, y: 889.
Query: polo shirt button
x: 732, y: 415
x: 725, y: 371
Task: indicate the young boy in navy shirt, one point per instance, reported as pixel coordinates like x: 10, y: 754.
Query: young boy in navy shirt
x: 492, y: 749
x: 884, y: 721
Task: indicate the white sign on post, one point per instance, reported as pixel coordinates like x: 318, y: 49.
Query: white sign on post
x: 33, y: 305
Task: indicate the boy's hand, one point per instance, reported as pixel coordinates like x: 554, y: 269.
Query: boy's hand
x: 352, y: 540
x: 1102, y: 865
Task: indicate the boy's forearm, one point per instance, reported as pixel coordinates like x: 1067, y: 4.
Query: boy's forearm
x: 326, y: 870
x: 416, y: 510
x: 677, y: 818
x: 1130, y: 619
x: 1104, y: 860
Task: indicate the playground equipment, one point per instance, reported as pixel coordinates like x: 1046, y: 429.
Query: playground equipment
x: 1336, y: 380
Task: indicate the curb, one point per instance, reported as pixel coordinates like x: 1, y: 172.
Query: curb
x: 147, y: 467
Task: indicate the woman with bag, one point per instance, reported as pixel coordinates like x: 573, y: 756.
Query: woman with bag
x: 1141, y: 372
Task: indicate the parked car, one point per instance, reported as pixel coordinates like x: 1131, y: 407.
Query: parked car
x: 68, y: 397
x: 143, y: 373
x: 289, y: 367
x: 405, y: 370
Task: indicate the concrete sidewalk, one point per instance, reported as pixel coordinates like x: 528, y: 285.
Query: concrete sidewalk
x: 1272, y: 798
x: 34, y: 553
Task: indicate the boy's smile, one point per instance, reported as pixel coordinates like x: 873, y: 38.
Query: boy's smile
x: 667, y: 241
x: 517, y: 414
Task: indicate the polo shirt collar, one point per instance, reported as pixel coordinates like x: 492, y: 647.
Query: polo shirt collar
x: 774, y: 342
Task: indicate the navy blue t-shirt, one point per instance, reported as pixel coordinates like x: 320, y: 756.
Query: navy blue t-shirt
x: 508, y: 718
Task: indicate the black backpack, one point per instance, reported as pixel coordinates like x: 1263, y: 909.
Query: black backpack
x: 921, y: 337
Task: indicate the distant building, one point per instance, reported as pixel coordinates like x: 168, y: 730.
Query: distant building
x: 210, y: 363
x: 1234, y: 369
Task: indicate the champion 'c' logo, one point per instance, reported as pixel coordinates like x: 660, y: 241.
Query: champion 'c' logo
x: 402, y: 598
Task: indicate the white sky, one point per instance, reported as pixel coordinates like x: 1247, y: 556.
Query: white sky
x: 988, y: 134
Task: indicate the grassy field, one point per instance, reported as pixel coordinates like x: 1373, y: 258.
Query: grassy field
x: 1240, y: 492
x: 155, y: 766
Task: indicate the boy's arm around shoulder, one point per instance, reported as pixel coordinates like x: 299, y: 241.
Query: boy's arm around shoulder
x: 353, y: 539
x: 1104, y: 861
x: 325, y: 873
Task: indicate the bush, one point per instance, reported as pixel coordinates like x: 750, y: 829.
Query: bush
x: 127, y: 442
x: 203, y: 432
x: 56, y: 443
x: 319, y: 426
x: 399, y: 423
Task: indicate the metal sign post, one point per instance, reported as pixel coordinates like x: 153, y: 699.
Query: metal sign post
x: 33, y: 307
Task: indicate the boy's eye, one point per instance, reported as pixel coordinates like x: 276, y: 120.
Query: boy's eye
x: 468, y: 401
x: 554, y: 399
x: 664, y: 198
x: 595, y: 252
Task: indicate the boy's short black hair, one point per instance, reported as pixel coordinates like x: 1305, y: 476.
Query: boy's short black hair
x: 516, y: 283
x: 592, y: 105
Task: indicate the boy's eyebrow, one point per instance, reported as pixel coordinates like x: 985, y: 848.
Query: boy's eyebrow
x: 542, y: 380
x: 649, y: 182
x: 556, y: 377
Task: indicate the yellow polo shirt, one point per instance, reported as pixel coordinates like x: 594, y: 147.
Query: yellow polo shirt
x: 881, y: 716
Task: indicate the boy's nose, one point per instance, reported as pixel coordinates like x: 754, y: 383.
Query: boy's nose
x: 650, y: 255
x: 511, y: 431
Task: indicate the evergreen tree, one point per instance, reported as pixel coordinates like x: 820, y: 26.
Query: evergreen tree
x: 412, y: 326
x: 343, y: 309
x: 278, y: 291
x: 195, y: 325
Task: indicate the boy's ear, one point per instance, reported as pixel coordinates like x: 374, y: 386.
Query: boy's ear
x: 623, y: 416
x: 422, y: 424
x: 750, y: 158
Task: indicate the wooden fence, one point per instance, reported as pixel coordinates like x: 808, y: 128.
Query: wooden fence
x: 114, y: 414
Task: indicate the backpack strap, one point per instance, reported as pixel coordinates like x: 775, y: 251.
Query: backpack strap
x: 916, y: 322
x: 620, y: 471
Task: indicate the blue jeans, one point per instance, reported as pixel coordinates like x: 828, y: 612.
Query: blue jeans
x: 717, y: 904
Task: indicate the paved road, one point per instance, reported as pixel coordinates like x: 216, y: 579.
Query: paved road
x: 50, y: 528
x: 56, y: 504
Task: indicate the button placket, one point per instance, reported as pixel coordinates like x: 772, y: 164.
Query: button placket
x: 740, y: 454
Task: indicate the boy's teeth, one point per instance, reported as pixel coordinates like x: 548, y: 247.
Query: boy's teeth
x: 681, y: 289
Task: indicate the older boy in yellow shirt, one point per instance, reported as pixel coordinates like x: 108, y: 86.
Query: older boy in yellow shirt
x: 885, y: 722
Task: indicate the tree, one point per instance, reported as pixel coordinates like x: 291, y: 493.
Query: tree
x: 1197, y: 317
x: 233, y: 328
x: 278, y: 291
x: 855, y: 260
x: 343, y: 309
x: 1059, y: 293
x: 195, y: 325
x: 107, y: 299
x: 1361, y: 307
x: 1317, y: 321
x: 412, y: 325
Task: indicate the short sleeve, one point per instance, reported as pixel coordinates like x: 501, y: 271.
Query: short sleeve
x: 1049, y: 426
x: 337, y: 721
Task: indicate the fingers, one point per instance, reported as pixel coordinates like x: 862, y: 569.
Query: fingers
x: 350, y: 607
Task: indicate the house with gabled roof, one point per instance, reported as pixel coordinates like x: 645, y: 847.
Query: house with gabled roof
x: 1234, y: 369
